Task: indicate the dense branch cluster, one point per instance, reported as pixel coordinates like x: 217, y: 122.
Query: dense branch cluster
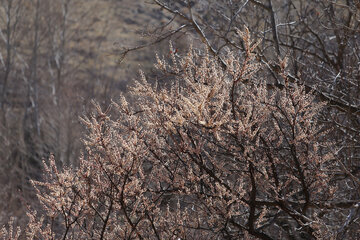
x: 242, y: 140
x: 213, y: 154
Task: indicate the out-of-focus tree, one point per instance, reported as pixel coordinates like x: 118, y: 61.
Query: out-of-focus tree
x: 42, y: 89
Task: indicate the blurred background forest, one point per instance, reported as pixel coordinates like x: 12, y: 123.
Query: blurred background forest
x: 58, y: 55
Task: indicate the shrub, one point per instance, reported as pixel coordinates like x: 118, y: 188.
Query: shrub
x: 212, y: 155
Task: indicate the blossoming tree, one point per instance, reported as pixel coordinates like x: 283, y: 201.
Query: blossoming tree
x: 213, y: 154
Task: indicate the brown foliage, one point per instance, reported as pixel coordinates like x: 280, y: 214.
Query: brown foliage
x: 212, y: 155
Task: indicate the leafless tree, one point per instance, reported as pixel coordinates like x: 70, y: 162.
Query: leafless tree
x: 42, y: 89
